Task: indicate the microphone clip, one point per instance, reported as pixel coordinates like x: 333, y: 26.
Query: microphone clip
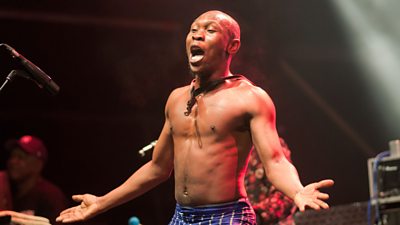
x: 19, y: 73
x: 146, y: 148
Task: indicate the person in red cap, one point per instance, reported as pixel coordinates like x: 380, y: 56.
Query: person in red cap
x: 23, y: 188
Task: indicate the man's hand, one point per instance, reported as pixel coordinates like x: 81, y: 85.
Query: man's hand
x: 88, y: 208
x: 24, y: 219
x: 310, y: 196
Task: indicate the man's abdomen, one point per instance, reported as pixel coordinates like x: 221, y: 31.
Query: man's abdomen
x: 208, y: 175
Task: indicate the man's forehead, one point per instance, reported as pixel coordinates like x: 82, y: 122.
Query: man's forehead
x: 210, y: 17
x: 215, y: 15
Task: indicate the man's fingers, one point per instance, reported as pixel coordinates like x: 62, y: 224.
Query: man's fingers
x: 69, y: 220
x: 323, y: 196
x: 68, y: 217
x: 324, y: 183
x: 69, y: 210
x: 317, y: 205
x: 314, y: 205
x: 77, y: 198
x: 79, y: 212
x: 61, y: 217
x: 321, y: 204
x: 302, y: 208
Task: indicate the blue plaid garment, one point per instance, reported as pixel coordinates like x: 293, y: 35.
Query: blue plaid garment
x: 233, y: 213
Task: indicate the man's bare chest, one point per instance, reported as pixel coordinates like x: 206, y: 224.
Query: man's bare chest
x: 209, y: 116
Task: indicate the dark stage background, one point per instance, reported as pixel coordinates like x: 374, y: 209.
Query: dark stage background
x: 117, y: 61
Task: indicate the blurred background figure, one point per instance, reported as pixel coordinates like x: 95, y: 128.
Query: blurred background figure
x: 22, y: 186
x: 8, y: 217
x: 271, y: 206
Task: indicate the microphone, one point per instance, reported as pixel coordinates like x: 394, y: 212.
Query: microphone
x: 146, y: 148
x: 34, y: 72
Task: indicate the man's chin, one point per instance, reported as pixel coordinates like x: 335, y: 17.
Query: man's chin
x: 198, y: 72
x: 194, y: 69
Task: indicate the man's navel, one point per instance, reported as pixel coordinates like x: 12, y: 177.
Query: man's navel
x: 213, y: 129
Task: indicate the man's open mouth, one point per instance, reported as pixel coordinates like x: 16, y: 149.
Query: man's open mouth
x: 196, y: 54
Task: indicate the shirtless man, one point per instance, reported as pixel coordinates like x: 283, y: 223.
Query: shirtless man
x: 210, y: 127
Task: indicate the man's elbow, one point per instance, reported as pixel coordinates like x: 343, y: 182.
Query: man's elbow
x: 274, y: 163
x: 164, y: 175
x: 162, y: 172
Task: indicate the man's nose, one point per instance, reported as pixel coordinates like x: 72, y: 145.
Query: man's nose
x: 198, y: 36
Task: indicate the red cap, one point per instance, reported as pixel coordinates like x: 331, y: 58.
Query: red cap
x: 29, y: 144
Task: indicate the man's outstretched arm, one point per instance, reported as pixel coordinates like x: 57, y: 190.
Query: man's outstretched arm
x: 282, y: 174
x: 145, y: 178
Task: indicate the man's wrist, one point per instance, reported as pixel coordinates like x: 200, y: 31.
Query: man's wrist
x: 101, y: 204
x: 297, y: 192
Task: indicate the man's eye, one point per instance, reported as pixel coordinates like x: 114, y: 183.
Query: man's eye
x: 211, y: 31
x: 193, y: 30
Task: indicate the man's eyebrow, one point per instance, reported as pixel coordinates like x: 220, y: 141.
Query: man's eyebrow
x: 213, y: 23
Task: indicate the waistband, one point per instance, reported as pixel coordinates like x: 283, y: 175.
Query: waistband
x: 242, y: 202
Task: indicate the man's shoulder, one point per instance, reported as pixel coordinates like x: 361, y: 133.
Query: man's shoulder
x: 179, y: 92
x: 252, y: 91
x: 176, y: 96
x: 255, y: 98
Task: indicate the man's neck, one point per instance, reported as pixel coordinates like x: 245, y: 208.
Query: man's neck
x: 202, y: 80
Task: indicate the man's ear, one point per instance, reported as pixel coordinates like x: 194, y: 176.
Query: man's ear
x: 233, y: 46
